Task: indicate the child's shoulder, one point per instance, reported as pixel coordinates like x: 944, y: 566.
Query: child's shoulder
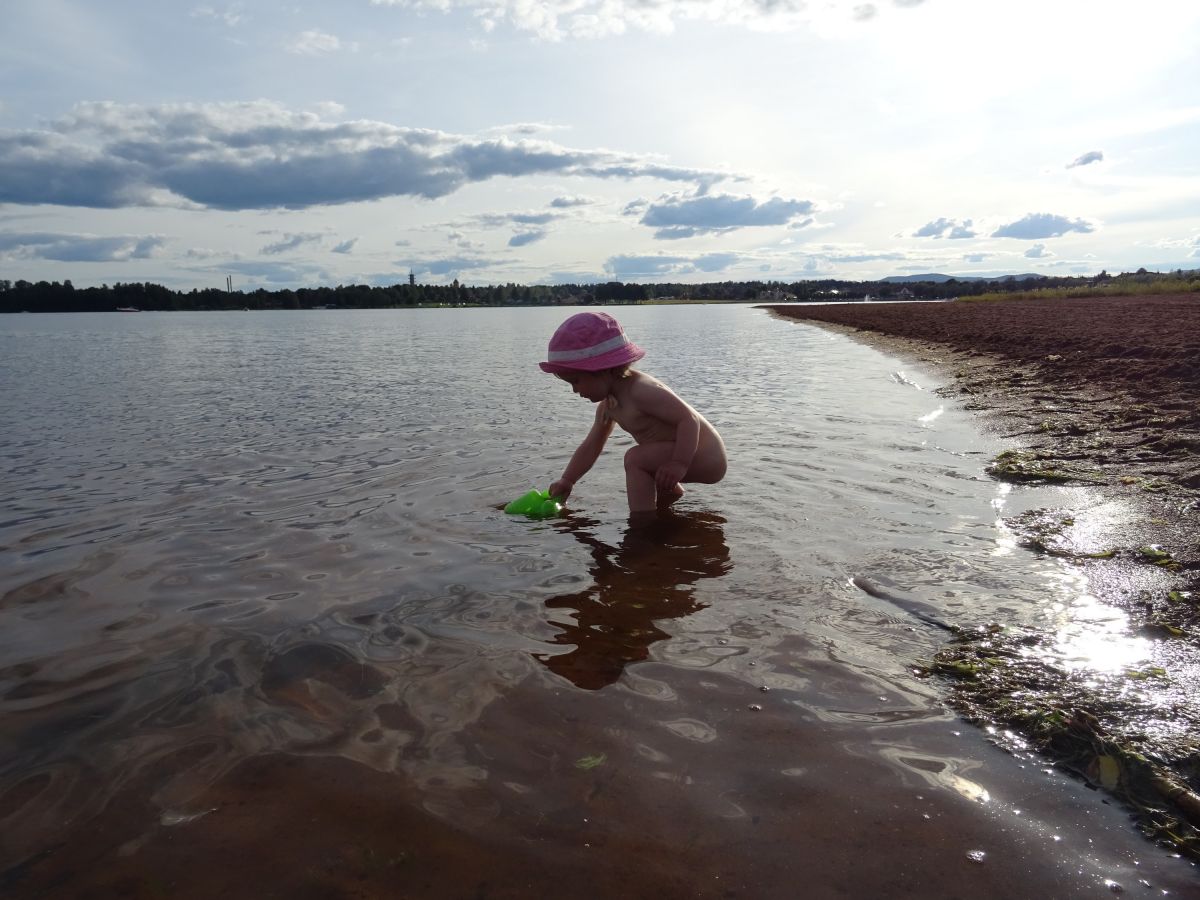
x: 642, y: 382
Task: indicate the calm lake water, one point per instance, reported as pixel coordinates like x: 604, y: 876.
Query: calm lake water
x: 228, y: 537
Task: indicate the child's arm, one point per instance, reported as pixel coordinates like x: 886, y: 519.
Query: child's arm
x: 585, y: 455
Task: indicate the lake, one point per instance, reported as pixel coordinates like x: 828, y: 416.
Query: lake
x: 259, y: 593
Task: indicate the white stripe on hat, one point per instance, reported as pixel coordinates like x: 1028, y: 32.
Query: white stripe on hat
x: 587, y: 352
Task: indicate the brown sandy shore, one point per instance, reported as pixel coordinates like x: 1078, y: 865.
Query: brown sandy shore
x: 1103, y: 393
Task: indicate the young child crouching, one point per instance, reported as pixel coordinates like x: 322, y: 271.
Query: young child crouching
x: 675, y: 443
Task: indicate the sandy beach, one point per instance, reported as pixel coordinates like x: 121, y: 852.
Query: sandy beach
x: 1103, y: 388
x: 1099, y: 392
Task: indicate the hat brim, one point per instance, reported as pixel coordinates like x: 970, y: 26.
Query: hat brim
x: 621, y: 356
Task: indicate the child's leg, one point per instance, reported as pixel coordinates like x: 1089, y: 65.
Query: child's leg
x: 641, y: 465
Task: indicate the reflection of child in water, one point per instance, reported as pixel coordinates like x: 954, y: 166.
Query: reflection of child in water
x: 650, y: 577
x: 675, y: 443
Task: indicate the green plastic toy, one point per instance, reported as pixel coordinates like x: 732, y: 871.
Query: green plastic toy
x: 536, y: 505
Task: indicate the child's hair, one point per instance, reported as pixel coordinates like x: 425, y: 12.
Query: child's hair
x: 618, y: 372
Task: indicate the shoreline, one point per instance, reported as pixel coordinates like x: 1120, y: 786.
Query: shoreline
x: 1129, y: 427
x: 1099, y: 394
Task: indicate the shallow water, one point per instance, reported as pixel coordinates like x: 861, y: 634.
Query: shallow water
x: 228, y: 536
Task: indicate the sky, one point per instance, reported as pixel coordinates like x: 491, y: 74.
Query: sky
x: 304, y: 143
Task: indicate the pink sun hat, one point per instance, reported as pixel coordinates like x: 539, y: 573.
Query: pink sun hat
x: 589, y: 342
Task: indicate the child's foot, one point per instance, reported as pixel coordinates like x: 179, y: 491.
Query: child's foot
x: 666, y: 498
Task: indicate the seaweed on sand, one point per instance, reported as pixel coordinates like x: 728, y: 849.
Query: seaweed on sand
x: 1030, y: 465
x: 1138, y: 745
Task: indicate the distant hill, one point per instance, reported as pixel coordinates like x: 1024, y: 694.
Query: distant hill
x: 937, y: 278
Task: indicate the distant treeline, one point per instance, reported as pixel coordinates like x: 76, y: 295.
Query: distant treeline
x: 52, y: 296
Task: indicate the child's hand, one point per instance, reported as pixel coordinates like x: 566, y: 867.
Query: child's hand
x: 561, y: 489
x: 668, y: 474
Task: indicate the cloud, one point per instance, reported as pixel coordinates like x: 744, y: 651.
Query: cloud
x: 717, y: 262
x: 657, y: 265
x: 498, y: 220
x: 1037, y: 226
x: 882, y: 256
x: 318, y: 43
x: 626, y: 266
x: 525, y: 128
x: 1038, y: 251
x: 278, y: 273
x: 261, y: 155
x: 557, y: 19
x: 231, y: 15
x: 77, y: 247
x: 569, y: 202
x: 1088, y: 158
x: 345, y: 246
x: 683, y: 217
x: 521, y: 238
x: 290, y: 242
x: 450, y: 265
x: 951, y: 229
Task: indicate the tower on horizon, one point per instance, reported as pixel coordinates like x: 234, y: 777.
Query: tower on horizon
x: 412, y: 279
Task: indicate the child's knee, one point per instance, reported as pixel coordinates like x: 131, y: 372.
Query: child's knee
x: 638, y: 460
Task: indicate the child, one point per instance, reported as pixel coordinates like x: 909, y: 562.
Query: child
x: 675, y: 443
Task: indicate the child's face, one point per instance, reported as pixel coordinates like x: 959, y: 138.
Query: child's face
x: 591, y: 386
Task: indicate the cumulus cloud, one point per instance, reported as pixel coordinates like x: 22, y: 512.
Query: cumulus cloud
x: 290, y: 242
x: 260, y: 155
x: 1038, y: 226
x: 499, y: 220
x: 951, y: 229
x: 1038, y: 251
x: 77, y: 247
x: 569, y: 202
x: 1092, y: 156
x: 632, y: 266
x: 521, y: 238
x: 683, y: 217
x: 557, y: 19
x: 657, y: 265
x: 450, y: 265
x: 717, y: 262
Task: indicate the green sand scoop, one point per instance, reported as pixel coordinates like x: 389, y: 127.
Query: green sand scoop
x: 536, y: 505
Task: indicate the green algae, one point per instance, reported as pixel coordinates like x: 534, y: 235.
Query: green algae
x: 1157, y: 556
x: 1102, y: 728
x: 1031, y: 466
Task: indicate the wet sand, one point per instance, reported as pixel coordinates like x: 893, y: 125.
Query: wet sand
x: 1104, y: 387
x: 837, y: 794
